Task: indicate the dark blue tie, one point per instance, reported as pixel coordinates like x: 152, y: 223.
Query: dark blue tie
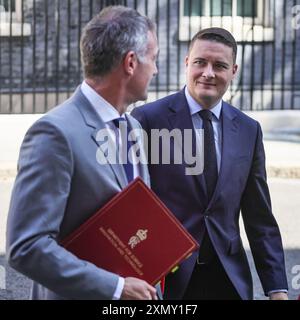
x: 206, y: 251
x: 124, y: 131
x: 210, y: 157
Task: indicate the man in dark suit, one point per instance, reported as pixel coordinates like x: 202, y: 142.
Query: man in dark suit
x: 61, y: 182
x: 233, y: 180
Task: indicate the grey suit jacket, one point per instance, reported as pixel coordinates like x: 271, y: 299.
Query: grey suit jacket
x: 59, y: 185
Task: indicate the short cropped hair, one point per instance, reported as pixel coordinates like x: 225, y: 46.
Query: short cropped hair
x: 219, y: 35
x: 109, y: 36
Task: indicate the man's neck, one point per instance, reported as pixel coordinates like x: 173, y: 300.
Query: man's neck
x: 208, y: 105
x: 111, y: 90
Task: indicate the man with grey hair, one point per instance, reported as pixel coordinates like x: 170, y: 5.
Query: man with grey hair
x: 60, y: 184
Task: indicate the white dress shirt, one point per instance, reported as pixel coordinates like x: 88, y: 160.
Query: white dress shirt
x: 108, y: 113
x: 195, y: 107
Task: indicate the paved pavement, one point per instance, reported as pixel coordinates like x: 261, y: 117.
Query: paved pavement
x: 283, y: 163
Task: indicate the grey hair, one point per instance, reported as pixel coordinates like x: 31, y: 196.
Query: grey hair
x: 110, y: 35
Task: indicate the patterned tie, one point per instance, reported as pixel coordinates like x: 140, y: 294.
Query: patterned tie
x: 210, y: 157
x: 127, y: 164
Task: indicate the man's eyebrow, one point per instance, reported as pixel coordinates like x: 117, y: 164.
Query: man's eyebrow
x: 223, y: 62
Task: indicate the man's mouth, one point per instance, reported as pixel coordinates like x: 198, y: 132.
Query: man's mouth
x: 206, y: 83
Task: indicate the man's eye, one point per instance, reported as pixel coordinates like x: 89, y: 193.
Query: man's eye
x: 221, y: 66
x: 199, y: 62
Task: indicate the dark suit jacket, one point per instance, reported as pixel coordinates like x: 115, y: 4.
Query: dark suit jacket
x: 241, y: 187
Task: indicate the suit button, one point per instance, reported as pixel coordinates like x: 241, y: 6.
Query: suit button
x: 206, y: 216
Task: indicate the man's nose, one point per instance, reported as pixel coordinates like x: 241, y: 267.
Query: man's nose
x: 208, y: 72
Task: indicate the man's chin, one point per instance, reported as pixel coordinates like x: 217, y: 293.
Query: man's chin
x: 144, y: 97
x: 207, y: 100
x: 140, y: 98
x: 206, y: 97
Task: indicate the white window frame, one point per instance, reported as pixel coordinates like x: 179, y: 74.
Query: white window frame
x: 11, y: 23
x: 243, y: 28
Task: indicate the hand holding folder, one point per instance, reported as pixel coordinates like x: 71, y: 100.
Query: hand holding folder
x: 133, y: 235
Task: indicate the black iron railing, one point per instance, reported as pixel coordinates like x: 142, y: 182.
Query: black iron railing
x: 40, y: 58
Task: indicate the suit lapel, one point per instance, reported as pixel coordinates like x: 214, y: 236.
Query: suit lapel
x: 230, y: 128
x: 117, y: 168
x: 93, y: 121
x: 180, y: 118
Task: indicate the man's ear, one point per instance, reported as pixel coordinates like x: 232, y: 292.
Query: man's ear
x: 186, y: 61
x: 130, y: 62
x: 235, y: 69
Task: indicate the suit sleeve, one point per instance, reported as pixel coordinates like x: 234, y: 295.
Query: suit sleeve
x: 260, y: 224
x: 38, y: 203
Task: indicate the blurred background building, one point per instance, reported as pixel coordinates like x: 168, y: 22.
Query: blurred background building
x: 40, y: 58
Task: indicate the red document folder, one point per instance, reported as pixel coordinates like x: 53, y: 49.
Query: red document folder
x: 134, y: 235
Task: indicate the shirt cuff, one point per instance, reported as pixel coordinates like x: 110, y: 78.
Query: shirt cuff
x: 279, y: 290
x: 119, y: 289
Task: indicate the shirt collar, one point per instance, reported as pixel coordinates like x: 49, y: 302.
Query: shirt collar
x: 195, y: 107
x: 104, y: 109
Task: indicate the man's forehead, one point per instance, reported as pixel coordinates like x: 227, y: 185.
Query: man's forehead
x: 204, y: 48
x: 203, y: 43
